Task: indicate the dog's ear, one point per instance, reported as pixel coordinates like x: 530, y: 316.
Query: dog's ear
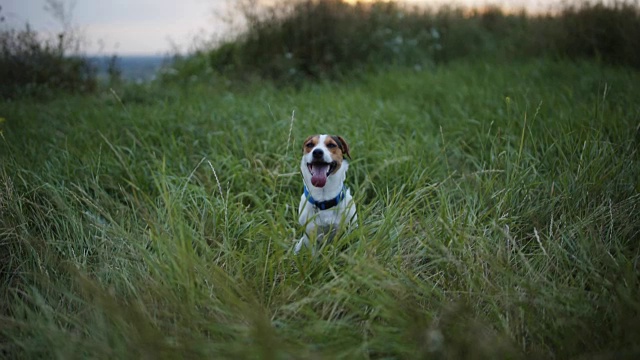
x: 344, y: 146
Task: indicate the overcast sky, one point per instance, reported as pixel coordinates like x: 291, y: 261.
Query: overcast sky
x: 153, y: 27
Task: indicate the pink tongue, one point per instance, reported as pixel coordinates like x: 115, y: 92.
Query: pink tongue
x: 319, y: 175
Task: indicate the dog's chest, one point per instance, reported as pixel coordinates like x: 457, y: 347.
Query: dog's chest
x: 322, y: 224
x: 321, y: 219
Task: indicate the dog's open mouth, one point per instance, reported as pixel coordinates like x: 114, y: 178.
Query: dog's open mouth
x: 320, y: 171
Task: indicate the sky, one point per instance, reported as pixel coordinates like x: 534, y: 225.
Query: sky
x: 155, y: 27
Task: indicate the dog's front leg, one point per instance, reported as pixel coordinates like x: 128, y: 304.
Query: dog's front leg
x: 304, y: 241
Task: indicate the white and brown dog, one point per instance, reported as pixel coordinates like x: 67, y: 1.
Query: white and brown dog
x: 326, y: 203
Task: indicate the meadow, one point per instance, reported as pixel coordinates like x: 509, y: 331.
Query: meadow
x: 498, y: 218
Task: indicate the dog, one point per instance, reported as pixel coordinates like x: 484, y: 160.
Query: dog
x: 326, y: 203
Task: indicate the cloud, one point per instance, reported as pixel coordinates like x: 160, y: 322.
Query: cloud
x: 139, y: 38
x: 125, y: 26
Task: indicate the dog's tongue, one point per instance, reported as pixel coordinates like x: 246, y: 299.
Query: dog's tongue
x: 319, y: 175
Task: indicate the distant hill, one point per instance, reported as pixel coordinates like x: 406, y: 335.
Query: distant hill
x: 134, y: 68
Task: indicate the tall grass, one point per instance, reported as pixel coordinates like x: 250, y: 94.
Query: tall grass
x: 498, y: 210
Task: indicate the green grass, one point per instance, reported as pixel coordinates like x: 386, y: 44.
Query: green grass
x: 498, y: 212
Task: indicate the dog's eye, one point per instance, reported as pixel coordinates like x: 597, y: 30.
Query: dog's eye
x: 309, y: 145
x: 331, y: 145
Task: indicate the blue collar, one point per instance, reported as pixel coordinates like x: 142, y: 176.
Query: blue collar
x: 324, y: 205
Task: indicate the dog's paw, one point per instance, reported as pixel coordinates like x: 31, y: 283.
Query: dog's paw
x: 302, y: 242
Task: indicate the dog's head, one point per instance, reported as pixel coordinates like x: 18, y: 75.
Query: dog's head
x: 323, y: 157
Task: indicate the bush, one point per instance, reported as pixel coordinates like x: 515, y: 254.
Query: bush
x: 610, y: 33
x: 30, y: 65
x: 313, y: 39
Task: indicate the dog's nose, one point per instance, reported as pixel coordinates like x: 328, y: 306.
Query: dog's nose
x: 318, y: 154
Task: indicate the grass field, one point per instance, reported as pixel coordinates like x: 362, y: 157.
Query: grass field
x: 499, y: 217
